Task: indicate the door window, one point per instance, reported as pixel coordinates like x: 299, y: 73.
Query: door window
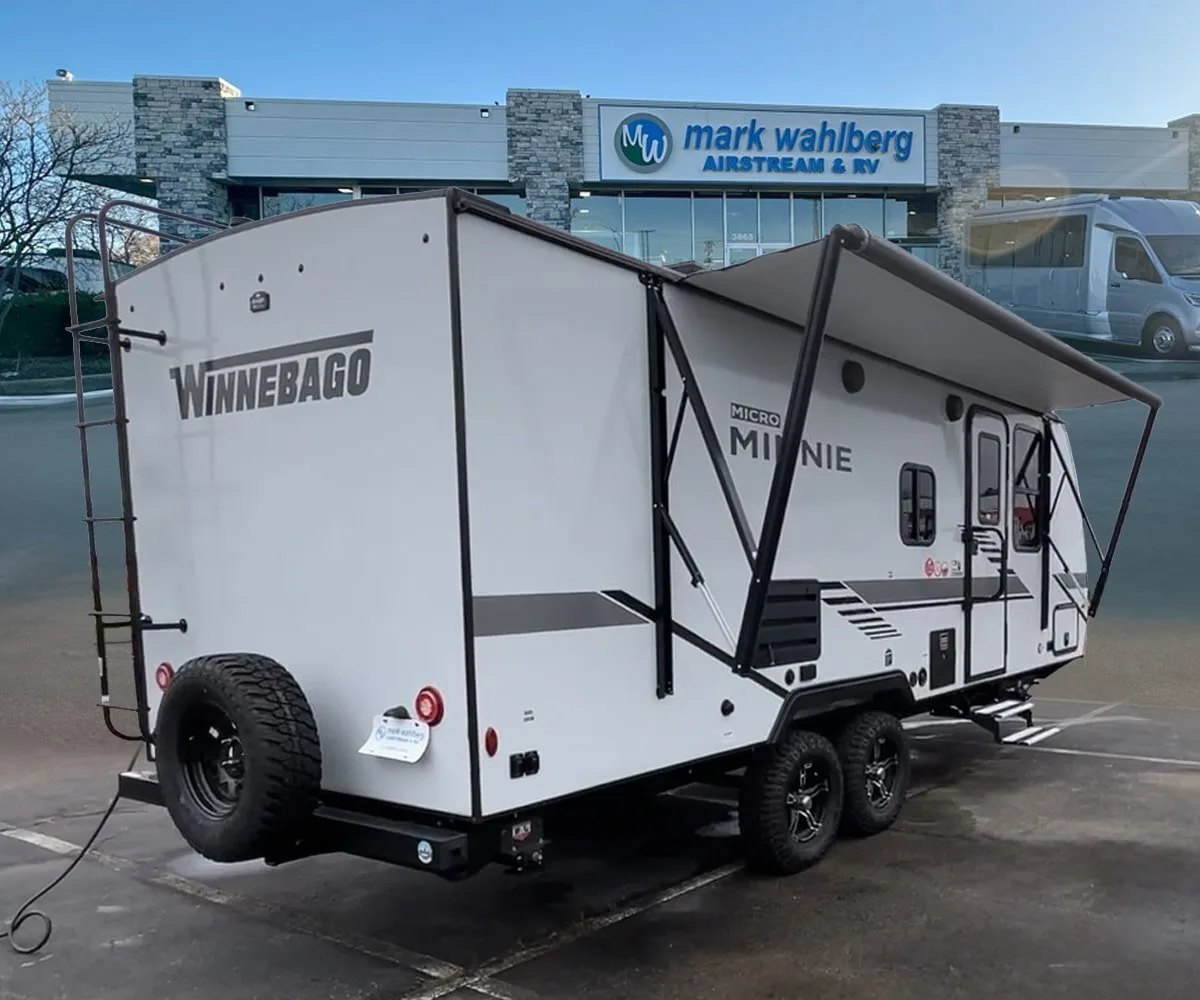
x: 987, y: 480
x: 1131, y: 261
x: 1026, y: 526
x: 918, y: 505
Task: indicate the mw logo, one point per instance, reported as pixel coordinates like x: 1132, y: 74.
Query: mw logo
x: 643, y: 142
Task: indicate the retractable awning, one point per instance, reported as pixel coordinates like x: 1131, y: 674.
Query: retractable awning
x: 892, y: 304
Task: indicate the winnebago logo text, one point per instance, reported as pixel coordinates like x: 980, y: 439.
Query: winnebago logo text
x: 764, y: 437
x: 276, y: 376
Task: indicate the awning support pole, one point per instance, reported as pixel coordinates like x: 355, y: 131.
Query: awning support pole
x: 788, y: 453
x: 1106, y: 564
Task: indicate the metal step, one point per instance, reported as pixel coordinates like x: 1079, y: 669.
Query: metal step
x: 1032, y: 735
x: 991, y: 716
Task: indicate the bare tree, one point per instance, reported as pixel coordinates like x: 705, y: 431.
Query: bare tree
x: 44, y: 156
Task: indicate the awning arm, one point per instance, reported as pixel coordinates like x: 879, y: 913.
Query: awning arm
x: 788, y: 452
x: 1106, y: 564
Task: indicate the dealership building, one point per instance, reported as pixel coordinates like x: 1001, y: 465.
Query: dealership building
x: 663, y: 181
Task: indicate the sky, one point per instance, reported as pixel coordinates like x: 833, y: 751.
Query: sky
x: 1086, y: 61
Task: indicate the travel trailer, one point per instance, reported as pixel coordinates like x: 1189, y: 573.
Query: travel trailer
x: 1094, y: 268
x: 427, y: 543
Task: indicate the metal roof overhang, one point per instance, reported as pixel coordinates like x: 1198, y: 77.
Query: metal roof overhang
x: 894, y: 305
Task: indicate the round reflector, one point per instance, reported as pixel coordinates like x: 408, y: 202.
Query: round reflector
x: 429, y: 706
x: 163, y: 676
x: 491, y: 741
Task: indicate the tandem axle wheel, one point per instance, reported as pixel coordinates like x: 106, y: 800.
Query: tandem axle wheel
x: 799, y: 795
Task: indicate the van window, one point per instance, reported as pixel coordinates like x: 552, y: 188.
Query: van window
x: 1026, y: 522
x: 1179, y: 255
x: 1044, y: 242
x: 1131, y: 261
x: 1074, y: 232
x: 918, y: 504
x: 987, y: 479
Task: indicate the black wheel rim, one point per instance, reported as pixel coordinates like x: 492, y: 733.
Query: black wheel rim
x: 882, y: 771
x: 211, y: 760
x: 808, y: 801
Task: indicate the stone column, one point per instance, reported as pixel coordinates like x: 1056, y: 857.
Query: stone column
x: 180, y: 141
x: 1191, y: 124
x: 968, y: 159
x: 545, y: 150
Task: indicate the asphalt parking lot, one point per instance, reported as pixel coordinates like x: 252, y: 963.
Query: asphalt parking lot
x: 1064, y: 869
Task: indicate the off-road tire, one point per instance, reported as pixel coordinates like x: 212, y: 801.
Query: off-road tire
x: 281, y: 755
x: 764, y: 813
x: 861, y: 816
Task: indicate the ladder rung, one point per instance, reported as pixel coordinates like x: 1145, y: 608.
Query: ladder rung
x: 93, y: 340
x: 108, y: 422
x: 95, y: 324
x: 102, y: 520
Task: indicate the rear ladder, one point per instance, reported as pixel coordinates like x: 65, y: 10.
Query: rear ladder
x: 116, y: 339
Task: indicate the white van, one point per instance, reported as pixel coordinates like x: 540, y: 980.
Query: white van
x: 1094, y: 267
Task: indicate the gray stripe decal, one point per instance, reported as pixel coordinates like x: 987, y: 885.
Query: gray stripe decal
x: 1070, y: 580
x: 881, y: 592
x: 521, y: 614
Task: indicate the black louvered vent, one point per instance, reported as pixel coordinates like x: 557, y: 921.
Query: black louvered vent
x: 791, y: 624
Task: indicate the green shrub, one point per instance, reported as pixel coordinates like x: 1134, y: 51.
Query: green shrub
x: 36, y: 325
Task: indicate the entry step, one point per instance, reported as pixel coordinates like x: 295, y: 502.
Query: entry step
x: 993, y: 716
x: 1032, y: 735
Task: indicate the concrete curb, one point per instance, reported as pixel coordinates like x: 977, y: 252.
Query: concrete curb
x: 50, y: 399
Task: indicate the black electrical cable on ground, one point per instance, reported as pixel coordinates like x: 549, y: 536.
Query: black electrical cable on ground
x: 26, y: 912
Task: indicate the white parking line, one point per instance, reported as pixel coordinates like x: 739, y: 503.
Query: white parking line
x: 1131, y: 757
x: 32, y: 837
x: 585, y: 928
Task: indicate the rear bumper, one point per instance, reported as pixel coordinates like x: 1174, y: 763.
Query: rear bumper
x: 422, y: 846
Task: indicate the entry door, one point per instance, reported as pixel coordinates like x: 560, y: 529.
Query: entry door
x: 1130, y: 288
x: 985, y: 580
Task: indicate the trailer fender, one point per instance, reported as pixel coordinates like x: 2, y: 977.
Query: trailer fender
x: 890, y: 691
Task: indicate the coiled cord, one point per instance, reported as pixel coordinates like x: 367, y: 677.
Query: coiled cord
x: 26, y: 912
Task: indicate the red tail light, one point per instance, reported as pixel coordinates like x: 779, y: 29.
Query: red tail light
x: 164, y: 675
x: 429, y: 706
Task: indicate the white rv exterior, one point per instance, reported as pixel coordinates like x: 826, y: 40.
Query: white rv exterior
x: 1094, y: 268
x: 493, y: 518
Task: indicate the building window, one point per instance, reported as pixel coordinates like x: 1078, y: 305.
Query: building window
x: 658, y: 227
x: 512, y: 200
x: 918, y: 504
x: 987, y: 479
x: 864, y: 210
x: 806, y: 219
x: 708, y: 213
x: 244, y: 202
x: 719, y: 228
x: 741, y: 217
x: 1026, y: 520
x: 279, y: 201
x: 597, y: 218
